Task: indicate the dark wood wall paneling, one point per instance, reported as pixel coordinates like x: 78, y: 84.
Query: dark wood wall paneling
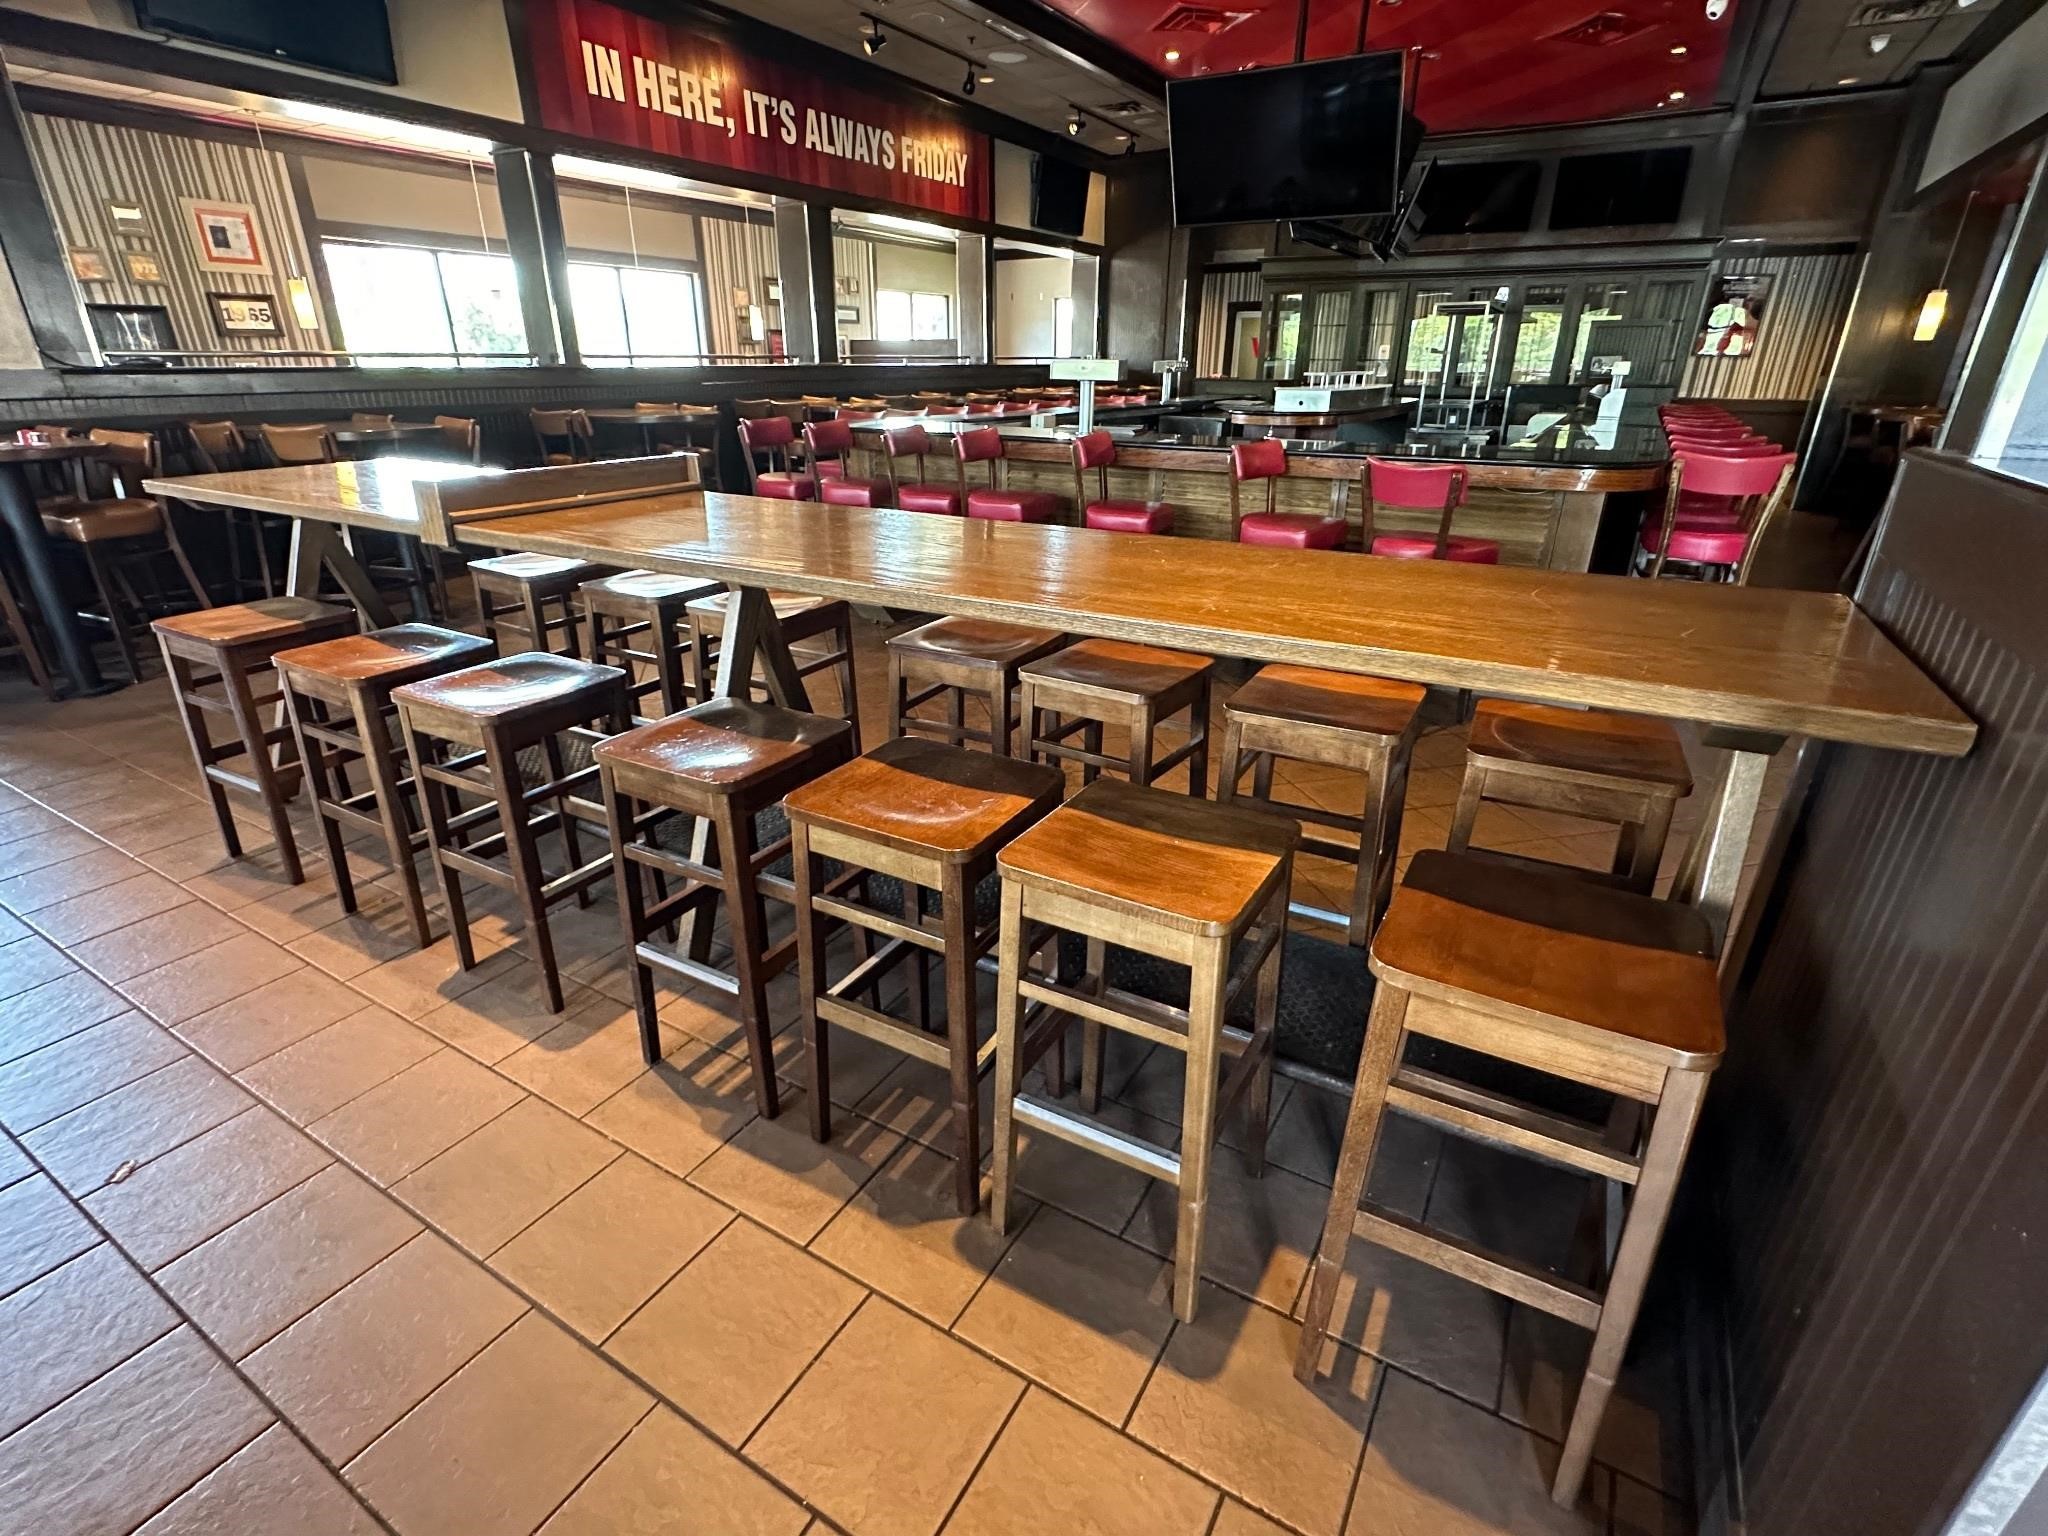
x: 1137, y: 283
x: 1876, y: 1153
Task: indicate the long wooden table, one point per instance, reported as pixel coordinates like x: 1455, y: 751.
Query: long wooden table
x: 1751, y: 665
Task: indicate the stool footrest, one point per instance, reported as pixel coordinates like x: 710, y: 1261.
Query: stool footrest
x: 1120, y: 1010
x: 883, y: 1030
x: 1497, y: 1272
x: 875, y: 922
x: 1092, y: 1136
x: 1474, y: 1112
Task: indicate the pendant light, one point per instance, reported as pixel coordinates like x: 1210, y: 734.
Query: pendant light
x: 1934, y: 308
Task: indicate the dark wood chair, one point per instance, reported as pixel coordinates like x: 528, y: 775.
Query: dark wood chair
x: 957, y: 659
x: 298, y: 444
x: 219, y: 448
x: 1096, y: 682
x: 565, y: 437
x: 462, y: 437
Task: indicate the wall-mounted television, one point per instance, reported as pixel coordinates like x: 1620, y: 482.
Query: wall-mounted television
x: 1059, y: 196
x: 1323, y: 140
x: 346, y: 37
x: 1622, y: 188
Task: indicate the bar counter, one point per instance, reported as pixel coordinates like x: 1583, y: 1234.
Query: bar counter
x: 1542, y: 501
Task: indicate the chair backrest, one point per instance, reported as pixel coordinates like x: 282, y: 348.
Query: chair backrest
x: 1413, y: 487
x: 217, y: 446
x: 131, y: 457
x: 829, y: 439
x: 464, y: 436
x: 983, y: 407
x: 819, y: 402
x: 1256, y: 458
x: 1763, y: 482
x: 904, y: 442
x: 945, y: 410
x: 1749, y: 445
x: 847, y: 413
x: 1097, y: 451
x: 978, y: 444
x: 571, y: 429
x: 298, y: 444
x: 670, y: 406
x: 760, y: 433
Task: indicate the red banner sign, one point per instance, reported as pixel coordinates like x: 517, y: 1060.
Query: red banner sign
x: 604, y: 73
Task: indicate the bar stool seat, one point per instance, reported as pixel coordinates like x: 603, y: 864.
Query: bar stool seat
x: 1415, y: 546
x: 1626, y: 769
x: 1008, y: 506
x: 515, y: 593
x: 1614, y: 991
x: 801, y: 617
x: 1094, y: 682
x: 1182, y: 879
x: 1129, y: 516
x: 650, y: 608
x: 510, y: 688
x: 1291, y: 530
x: 933, y: 816
x: 955, y: 658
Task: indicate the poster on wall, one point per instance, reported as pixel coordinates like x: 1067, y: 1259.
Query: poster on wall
x: 604, y: 73
x: 224, y: 236
x: 1735, y: 310
x: 245, y: 314
x: 143, y: 267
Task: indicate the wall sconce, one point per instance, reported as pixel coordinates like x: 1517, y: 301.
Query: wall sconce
x: 304, y: 310
x: 1934, y: 308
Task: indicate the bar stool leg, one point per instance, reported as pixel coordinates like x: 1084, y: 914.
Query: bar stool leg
x: 849, y: 698
x: 1265, y: 1021
x: 242, y: 708
x: 435, y: 799
x: 1384, y: 1032
x: 626, y: 879
x: 522, y: 851
x: 1198, y: 725
x: 919, y: 997
x: 668, y: 664
x: 572, y: 842
x: 957, y: 919
x: 1093, y: 1039
x: 899, y: 697
x: 748, y: 928
x: 1470, y: 791
x: 182, y: 687
x: 1009, y: 1005
x: 1142, y: 726
x: 381, y: 764
x: 999, y: 714
x: 810, y: 960
x: 1229, y: 767
x: 313, y: 755
x: 1198, y: 1125
x: 1373, y: 844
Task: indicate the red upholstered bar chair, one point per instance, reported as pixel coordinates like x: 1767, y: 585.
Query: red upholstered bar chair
x: 994, y: 502
x: 773, y: 436
x: 828, y: 443
x: 917, y: 495
x: 1097, y: 451
x: 1759, y: 485
x: 1438, y: 488
x: 1265, y: 459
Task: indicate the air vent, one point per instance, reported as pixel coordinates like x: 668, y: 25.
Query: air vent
x: 1890, y: 12
x: 1600, y: 30
x: 1207, y: 20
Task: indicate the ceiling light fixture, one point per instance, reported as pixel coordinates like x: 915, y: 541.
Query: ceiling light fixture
x: 1879, y: 41
x: 1678, y: 96
x: 967, y: 84
x: 1074, y: 123
x: 1678, y: 51
x: 874, y: 42
x: 986, y: 79
x: 1172, y: 55
x: 1934, y: 308
x: 1846, y: 80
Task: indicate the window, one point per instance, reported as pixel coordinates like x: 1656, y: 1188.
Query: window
x: 646, y: 316
x: 901, y: 316
x: 1537, y: 337
x: 1062, y: 327
x: 407, y: 305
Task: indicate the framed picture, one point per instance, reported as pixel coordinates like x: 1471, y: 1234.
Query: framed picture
x: 123, y: 328
x: 847, y: 314
x: 88, y: 265
x: 1735, y: 312
x: 245, y: 314
x: 143, y: 267
x: 127, y: 216
x: 224, y: 236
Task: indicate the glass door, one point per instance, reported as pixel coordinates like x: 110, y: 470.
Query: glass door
x: 1283, y: 355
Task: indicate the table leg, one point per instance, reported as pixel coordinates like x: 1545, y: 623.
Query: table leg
x: 1712, y: 868
x: 751, y: 635
x: 316, y: 546
x: 18, y: 510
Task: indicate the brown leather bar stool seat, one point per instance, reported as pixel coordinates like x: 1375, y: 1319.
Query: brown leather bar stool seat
x: 1187, y: 881
x: 1608, y: 989
x: 954, y: 658
x: 1096, y: 682
x: 649, y: 607
x: 933, y: 816
x: 338, y: 695
x: 465, y: 732
x: 234, y: 644
x: 724, y: 761
x: 1626, y: 769
x: 801, y: 618
x: 1366, y: 725
x: 525, y: 599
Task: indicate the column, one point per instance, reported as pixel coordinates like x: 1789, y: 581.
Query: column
x: 540, y: 252
x: 31, y: 250
x: 971, y: 285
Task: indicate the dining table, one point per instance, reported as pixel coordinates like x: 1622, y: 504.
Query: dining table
x: 690, y: 422
x: 24, y: 522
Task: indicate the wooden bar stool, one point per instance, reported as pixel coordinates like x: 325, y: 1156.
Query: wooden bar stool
x: 529, y: 598
x: 725, y: 760
x: 1608, y: 989
x: 490, y: 715
x: 235, y: 643
x: 338, y: 695
x: 1186, y: 881
x: 933, y: 817
x: 1343, y: 720
x: 1098, y: 682
x: 650, y: 607
x: 800, y: 618
x: 953, y: 658
x: 1627, y: 769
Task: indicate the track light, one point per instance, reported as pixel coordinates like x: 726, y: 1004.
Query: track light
x: 874, y: 42
x: 1130, y: 143
x: 1074, y: 123
x: 967, y: 85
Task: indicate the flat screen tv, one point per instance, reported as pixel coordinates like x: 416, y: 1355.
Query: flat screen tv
x: 346, y: 37
x: 1305, y: 141
x: 1059, y: 196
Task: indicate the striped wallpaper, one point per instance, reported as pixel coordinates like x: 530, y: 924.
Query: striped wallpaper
x: 739, y: 256
x: 1220, y: 290
x: 85, y: 165
x: 1802, y: 326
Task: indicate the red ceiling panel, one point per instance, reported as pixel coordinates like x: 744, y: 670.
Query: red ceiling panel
x: 1483, y: 63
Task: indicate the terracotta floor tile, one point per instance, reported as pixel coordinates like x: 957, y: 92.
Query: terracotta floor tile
x: 249, y: 1283
x: 902, y: 1234
x: 417, y: 983
x: 843, y: 1437
x: 135, y: 1123
x: 33, y: 1019
x: 1224, y: 1404
x: 1437, y: 1464
x: 115, y: 1452
x: 297, y: 910
x: 256, y: 1024
x: 79, y: 1320
x: 1415, y: 1316
x: 1082, y: 1183
x: 151, y: 833
x: 610, y: 1245
x: 498, y: 1180
x: 1643, y: 1431
x: 320, y: 1073
x: 679, y: 1112
x: 143, y: 894
x: 916, y: 1098
x: 156, y: 941
x: 191, y: 985
x: 197, y: 856
x: 665, y: 1466
x: 585, y: 1059
x: 29, y: 963
x: 1308, y: 1132
x: 1234, y: 1519
x: 55, y: 883
x: 273, y: 1484
x: 1636, y: 1510
x: 506, y: 1011
x: 412, y: 1118
x: 1054, y: 1471
x: 776, y: 1173
x: 173, y: 1204
x: 348, y: 944
x: 232, y: 884
x: 505, y: 1440
x: 19, y: 821
x: 1077, y: 1310
x: 35, y: 1089
x: 1261, y: 1231
x: 357, y: 1363
x: 39, y: 1229
x: 14, y: 1163
x: 724, y: 1339
x: 33, y: 853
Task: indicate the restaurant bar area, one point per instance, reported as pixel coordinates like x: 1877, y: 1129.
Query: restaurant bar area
x: 1023, y: 768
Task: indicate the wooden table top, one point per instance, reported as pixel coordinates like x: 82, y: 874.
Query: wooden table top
x: 632, y: 417
x: 1753, y: 658
x: 43, y: 453
x: 398, y: 431
x: 359, y: 493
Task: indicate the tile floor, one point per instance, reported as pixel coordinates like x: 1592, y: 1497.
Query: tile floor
x: 302, y: 1230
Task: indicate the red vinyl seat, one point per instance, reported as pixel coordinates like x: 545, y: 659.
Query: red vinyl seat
x: 1747, y: 490
x: 774, y: 436
x: 828, y: 443
x: 1097, y: 451
x: 993, y: 502
x: 917, y: 495
x: 1422, y: 487
x: 1698, y: 546
x: 1420, y: 546
x: 1265, y: 458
